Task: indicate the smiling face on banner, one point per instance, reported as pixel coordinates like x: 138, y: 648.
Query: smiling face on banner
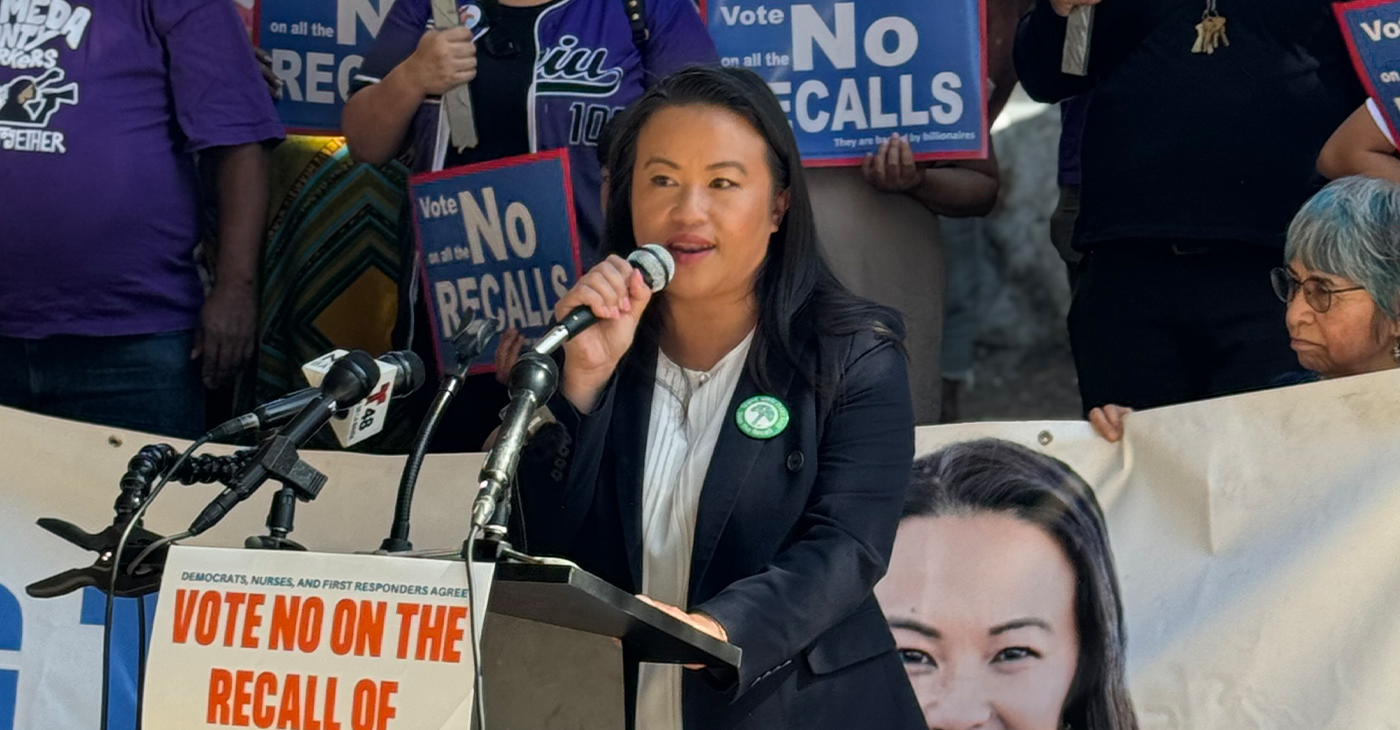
x: 982, y: 608
x: 702, y: 186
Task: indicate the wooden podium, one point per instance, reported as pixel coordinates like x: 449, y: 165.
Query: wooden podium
x: 555, y: 641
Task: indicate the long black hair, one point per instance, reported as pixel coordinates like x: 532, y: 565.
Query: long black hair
x: 1000, y: 477
x: 799, y: 298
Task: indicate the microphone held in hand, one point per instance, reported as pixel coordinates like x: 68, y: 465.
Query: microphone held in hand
x: 657, y: 268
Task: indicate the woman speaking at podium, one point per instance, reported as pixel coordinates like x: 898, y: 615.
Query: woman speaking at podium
x: 742, y: 441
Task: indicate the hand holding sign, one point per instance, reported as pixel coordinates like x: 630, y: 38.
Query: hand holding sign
x: 444, y: 60
x: 892, y: 168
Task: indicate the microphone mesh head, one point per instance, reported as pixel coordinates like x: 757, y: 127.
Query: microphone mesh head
x: 656, y: 265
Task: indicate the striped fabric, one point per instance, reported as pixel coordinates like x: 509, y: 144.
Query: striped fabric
x: 329, y: 269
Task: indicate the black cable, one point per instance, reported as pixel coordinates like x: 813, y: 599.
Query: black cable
x: 116, y: 565
x: 403, y: 505
x: 479, y: 686
x: 140, y: 657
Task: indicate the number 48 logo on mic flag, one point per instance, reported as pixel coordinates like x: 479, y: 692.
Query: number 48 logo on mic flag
x: 497, y: 238
x: 1372, y: 32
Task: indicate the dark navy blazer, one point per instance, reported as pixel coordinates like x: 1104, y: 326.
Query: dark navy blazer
x: 792, y: 533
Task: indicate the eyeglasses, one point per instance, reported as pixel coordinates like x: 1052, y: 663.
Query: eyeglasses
x: 1315, y: 291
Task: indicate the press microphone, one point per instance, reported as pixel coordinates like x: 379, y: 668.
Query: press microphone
x: 657, y: 268
x: 279, y: 411
x: 400, y: 373
x: 348, y: 380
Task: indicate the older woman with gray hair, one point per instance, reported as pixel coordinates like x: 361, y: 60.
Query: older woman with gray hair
x: 1341, y: 284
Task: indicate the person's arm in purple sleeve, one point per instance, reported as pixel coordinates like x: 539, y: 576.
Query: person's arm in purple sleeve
x: 678, y: 38
x: 226, y: 328
x: 222, y: 106
x: 405, y: 66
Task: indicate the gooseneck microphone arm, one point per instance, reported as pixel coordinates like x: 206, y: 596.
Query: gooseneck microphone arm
x: 532, y: 382
x: 469, y: 342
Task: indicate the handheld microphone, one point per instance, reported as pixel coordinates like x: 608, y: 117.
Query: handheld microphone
x: 349, y: 379
x: 657, y: 268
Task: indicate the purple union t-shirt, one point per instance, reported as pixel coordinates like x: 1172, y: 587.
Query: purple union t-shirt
x: 101, y: 106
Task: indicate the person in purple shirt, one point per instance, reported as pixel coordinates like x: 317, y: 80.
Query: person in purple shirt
x: 543, y: 74
x: 103, y: 107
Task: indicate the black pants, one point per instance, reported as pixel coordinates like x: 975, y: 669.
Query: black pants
x: 1158, y: 322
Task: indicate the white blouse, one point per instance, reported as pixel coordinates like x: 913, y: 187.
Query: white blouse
x: 688, y: 409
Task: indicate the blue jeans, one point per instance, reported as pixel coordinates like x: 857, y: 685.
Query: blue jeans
x: 140, y: 382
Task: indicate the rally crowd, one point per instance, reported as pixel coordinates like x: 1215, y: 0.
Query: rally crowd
x: 1180, y: 172
x: 1207, y: 253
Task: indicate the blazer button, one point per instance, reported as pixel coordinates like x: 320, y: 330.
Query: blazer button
x: 795, y: 461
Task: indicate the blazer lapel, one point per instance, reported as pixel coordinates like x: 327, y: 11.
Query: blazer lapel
x: 630, y: 423
x: 734, y: 457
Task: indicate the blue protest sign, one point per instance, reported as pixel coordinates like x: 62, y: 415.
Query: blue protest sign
x: 316, y: 47
x: 1372, y: 31
x: 497, y: 238
x: 850, y: 73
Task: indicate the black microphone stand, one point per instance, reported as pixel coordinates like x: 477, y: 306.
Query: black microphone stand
x: 299, y: 480
x: 143, y: 469
x: 532, y: 381
x: 469, y: 342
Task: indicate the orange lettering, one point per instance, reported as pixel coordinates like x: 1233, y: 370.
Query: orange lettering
x: 387, y: 711
x: 242, y: 697
x: 207, y: 625
x: 184, y: 613
x: 289, y: 709
x: 234, y: 602
x: 452, y: 640
x: 309, y: 721
x: 369, y: 635
x: 330, y: 722
x: 283, y: 630
x: 343, y: 627
x: 406, y: 612
x: 309, y: 627
x: 362, y: 714
x: 220, y: 686
x: 431, y: 622
x: 252, y: 620
x: 264, y: 712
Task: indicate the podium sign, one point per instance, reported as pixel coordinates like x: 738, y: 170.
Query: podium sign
x: 269, y: 639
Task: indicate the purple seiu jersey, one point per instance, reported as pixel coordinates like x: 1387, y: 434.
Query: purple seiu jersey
x: 587, y: 69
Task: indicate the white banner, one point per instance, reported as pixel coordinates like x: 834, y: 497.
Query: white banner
x: 55, y: 468
x: 1257, y: 540
x: 291, y: 639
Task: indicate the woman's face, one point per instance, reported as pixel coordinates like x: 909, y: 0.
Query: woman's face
x: 702, y: 187
x: 982, y: 608
x: 1350, y: 338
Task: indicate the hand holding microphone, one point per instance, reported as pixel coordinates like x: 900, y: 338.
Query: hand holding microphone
x: 615, y: 293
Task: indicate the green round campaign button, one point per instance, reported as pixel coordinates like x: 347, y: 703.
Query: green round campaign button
x: 762, y: 417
